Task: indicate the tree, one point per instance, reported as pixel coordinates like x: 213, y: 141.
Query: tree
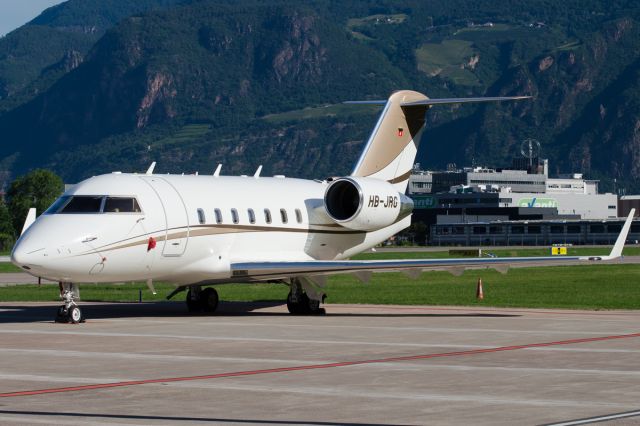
x: 38, y: 188
x: 7, y: 233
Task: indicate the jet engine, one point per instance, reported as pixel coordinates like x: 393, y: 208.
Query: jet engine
x: 365, y: 204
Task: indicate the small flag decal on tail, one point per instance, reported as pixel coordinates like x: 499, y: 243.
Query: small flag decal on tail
x: 400, y: 131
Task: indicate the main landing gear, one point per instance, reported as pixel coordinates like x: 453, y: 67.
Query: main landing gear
x: 69, y: 312
x: 202, y: 300
x: 299, y: 303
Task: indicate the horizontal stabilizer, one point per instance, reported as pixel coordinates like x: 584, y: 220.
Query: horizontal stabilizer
x: 464, y: 100
x: 376, y: 102
x: 443, y: 101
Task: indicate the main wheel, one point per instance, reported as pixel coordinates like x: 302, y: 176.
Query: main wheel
x: 209, y: 299
x: 193, y: 305
x: 75, y: 314
x: 300, y: 307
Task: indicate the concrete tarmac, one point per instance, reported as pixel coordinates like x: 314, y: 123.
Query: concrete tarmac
x: 152, y: 363
x: 18, y: 278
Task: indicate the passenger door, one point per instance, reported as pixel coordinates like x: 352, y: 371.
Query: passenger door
x: 175, y: 213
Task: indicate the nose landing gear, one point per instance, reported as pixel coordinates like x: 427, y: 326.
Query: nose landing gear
x: 69, y: 312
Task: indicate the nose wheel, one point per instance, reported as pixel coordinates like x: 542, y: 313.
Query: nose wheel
x: 69, y: 311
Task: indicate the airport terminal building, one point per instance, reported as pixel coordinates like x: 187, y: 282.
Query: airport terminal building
x: 483, y: 206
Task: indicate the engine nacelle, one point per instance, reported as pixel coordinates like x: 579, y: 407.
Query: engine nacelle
x: 365, y: 204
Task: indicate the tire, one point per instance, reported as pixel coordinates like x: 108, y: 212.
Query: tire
x: 62, y: 315
x: 292, y: 307
x: 209, y: 300
x: 75, y: 315
x: 193, y: 305
x: 301, y: 307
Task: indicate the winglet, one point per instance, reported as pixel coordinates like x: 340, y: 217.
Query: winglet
x: 616, y: 251
x: 217, y: 172
x: 257, y: 173
x: 31, y: 217
x: 150, y: 169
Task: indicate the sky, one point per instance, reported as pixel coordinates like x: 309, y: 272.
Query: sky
x: 15, y: 13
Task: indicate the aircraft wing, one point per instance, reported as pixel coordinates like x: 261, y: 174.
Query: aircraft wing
x: 260, y: 271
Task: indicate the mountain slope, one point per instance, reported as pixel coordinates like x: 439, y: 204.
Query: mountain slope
x: 32, y: 56
x: 233, y: 66
x: 217, y: 81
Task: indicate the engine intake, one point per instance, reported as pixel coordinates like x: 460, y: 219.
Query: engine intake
x: 365, y: 204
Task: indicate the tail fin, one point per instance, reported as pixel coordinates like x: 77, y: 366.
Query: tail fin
x: 391, y: 149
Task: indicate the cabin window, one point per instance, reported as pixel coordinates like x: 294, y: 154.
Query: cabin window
x: 121, y: 205
x: 267, y: 215
x: 252, y: 216
x: 83, y: 204
x: 298, y: 216
x: 283, y: 216
x: 218, y: 214
x: 234, y: 216
x: 201, y: 217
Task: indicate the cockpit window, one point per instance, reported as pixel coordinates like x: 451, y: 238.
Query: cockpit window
x: 94, y: 204
x: 57, y: 205
x: 83, y: 204
x: 121, y: 205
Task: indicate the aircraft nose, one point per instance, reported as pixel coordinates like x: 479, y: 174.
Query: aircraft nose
x: 23, y: 257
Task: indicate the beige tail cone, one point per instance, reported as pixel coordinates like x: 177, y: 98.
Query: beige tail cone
x: 479, y: 291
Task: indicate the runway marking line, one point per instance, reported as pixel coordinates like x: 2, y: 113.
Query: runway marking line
x: 316, y: 366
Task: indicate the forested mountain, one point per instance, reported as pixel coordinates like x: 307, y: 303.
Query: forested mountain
x: 35, y: 55
x: 193, y: 83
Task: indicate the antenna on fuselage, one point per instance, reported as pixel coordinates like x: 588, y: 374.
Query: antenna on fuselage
x: 151, y: 287
x: 217, y: 172
x: 257, y: 173
x: 150, y: 169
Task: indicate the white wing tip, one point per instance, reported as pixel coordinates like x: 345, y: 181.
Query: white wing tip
x: 150, y: 169
x: 616, y: 251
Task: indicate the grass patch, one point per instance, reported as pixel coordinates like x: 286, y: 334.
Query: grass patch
x: 483, y: 29
x: 354, y: 23
x: 568, y: 46
x: 575, y: 287
x: 322, y: 111
x: 9, y: 267
x: 379, y: 19
x: 130, y: 292
x: 187, y: 133
x: 506, y: 252
x: 447, y: 59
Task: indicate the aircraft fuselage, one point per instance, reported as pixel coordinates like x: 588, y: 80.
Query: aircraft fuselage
x: 186, y: 229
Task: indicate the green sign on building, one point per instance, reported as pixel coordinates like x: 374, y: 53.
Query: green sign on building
x: 537, y: 202
x: 424, y: 202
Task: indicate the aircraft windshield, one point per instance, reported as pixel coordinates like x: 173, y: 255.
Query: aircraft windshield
x: 121, y: 205
x: 82, y: 204
x: 94, y: 204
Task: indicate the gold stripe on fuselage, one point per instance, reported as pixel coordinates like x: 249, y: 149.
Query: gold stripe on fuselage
x: 207, y: 230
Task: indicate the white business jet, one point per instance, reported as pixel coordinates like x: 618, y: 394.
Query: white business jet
x: 197, y: 231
